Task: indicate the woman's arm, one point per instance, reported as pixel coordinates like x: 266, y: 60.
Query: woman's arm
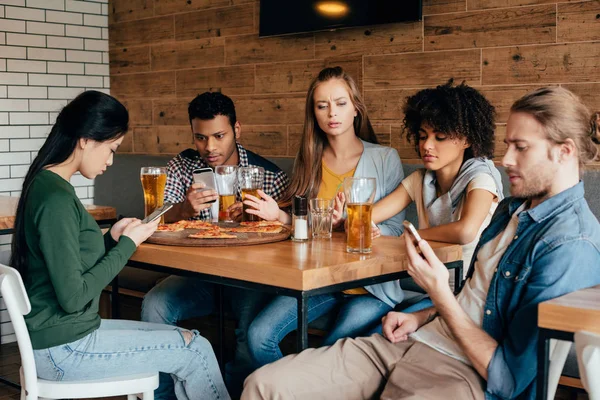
x: 464, y: 231
x: 391, y: 204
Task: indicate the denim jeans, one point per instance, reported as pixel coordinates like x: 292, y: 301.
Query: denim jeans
x: 280, y: 317
x: 177, y: 298
x: 120, y: 348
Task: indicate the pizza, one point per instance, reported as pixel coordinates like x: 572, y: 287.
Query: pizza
x: 212, y: 234
x: 170, y: 228
x: 255, y: 229
x: 184, y: 224
x: 261, y: 223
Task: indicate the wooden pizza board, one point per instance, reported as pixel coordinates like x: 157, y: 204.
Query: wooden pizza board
x: 243, y: 239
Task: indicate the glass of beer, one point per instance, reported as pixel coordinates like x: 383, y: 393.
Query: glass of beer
x: 250, y: 180
x: 154, y: 180
x: 226, y: 177
x: 360, y: 193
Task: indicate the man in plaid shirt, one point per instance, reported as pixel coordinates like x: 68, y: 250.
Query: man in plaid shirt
x: 216, y: 130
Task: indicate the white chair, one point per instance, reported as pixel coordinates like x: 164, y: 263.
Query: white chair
x: 33, y: 388
x: 587, y: 346
x: 559, y: 350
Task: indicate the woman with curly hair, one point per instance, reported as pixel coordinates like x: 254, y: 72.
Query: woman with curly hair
x: 457, y: 192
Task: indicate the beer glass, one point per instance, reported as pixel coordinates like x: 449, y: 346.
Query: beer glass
x: 360, y: 193
x: 154, y: 180
x: 226, y: 177
x: 250, y: 180
x: 321, y: 217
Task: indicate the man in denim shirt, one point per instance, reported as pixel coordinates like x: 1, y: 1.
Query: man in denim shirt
x: 542, y: 243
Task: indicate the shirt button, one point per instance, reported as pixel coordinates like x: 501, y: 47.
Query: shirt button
x: 507, y: 273
x: 495, y: 270
x: 516, y: 237
x: 488, y: 312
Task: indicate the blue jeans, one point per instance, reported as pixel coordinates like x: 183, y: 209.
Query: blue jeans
x: 120, y: 348
x: 280, y: 317
x: 178, y: 298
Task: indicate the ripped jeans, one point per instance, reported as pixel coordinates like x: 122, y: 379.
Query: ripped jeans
x: 121, y: 348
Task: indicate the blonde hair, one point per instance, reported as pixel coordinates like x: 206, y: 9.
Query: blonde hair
x: 307, y: 172
x: 563, y: 116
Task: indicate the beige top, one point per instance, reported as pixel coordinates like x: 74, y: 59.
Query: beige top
x: 472, y: 297
x: 414, y: 187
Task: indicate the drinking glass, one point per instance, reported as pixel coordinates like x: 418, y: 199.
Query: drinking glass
x: 360, y: 193
x: 250, y: 179
x: 153, y: 180
x: 226, y: 177
x: 321, y: 215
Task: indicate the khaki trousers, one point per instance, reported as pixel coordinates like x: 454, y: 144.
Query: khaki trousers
x: 366, y: 368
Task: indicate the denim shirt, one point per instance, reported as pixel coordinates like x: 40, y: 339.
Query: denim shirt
x: 555, y: 251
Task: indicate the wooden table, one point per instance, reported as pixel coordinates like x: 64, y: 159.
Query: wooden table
x: 8, y: 208
x: 300, y: 270
x: 559, y: 319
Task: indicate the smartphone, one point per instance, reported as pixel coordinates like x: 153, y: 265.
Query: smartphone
x: 206, y: 176
x: 410, y: 228
x: 158, y: 213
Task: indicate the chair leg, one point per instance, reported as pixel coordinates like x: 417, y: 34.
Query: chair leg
x: 148, y: 395
x: 558, y: 355
x: 132, y: 397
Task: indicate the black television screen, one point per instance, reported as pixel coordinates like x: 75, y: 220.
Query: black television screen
x: 280, y: 17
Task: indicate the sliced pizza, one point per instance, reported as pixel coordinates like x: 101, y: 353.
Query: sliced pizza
x: 170, y: 228
x: 212, y: 234
x: 261, y: 223
x: 255, y: 229
x: 197, y: 224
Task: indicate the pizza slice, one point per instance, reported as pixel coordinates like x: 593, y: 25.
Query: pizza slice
x: 198, y: 224
x: 212, y: 234
x: 261, y: 223
x: 175, y: 227
x: 255, y: 229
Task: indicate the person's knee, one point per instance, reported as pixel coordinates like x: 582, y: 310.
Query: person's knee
x: 156, y: 307
x: 258, y: 385
x: 187, y: 337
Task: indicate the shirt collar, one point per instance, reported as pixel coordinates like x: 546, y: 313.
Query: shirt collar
x: 551, y: 206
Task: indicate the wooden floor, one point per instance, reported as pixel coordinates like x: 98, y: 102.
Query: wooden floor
x: 9, y: 368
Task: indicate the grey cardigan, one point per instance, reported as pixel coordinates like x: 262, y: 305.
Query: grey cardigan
x: 383, y: 163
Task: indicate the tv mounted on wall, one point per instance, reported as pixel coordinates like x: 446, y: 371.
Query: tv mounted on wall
x: 280, y: 17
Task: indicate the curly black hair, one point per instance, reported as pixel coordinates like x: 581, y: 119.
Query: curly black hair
x: 457, y: 111
x: 208, y: 105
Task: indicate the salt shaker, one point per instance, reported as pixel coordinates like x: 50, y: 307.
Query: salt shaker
x: 300, y: 219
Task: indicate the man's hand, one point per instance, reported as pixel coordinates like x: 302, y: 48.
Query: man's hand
x: 397, y: 326
x: 197, y: 199
x: 427, y: 270
x: 117, y: 229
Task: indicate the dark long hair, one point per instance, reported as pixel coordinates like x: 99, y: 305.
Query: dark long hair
x: 92, y: 115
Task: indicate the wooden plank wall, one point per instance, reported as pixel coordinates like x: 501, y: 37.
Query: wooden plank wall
x: 164, y: 52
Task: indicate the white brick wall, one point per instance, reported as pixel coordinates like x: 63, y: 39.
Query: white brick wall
x: 50, y: 51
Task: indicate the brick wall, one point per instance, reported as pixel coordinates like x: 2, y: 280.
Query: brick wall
x: 50, y: 51
x: 164, y: 52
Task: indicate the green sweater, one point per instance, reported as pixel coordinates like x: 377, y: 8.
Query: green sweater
x: 69, y: 263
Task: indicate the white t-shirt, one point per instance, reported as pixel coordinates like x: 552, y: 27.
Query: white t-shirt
x: 472, y: 298
x: 414, y: 187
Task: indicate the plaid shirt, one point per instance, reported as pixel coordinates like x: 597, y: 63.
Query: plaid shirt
x: 180, y: 177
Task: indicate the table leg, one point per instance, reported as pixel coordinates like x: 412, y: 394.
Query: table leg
x: 458, y: 278
x: 302, y: 322
x: 221, y: 338
x: 114, y: 298
x: 543, y: 364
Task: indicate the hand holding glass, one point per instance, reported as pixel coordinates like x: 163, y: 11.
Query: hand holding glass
x: 250, y: 180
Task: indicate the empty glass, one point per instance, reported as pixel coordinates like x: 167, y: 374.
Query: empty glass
x: 321, y: 215
x: 360, y: 193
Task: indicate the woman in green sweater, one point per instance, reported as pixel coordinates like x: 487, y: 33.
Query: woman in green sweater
x: 66, y: 262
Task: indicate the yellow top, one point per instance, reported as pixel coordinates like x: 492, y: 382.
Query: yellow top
x: 331, y: 184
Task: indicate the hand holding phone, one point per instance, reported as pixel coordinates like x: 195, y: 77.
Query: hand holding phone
x: 205, y: 176
x: 411, y: 231
x: 157, y: 213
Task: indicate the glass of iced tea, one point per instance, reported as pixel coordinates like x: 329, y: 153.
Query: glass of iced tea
x: 154, y: 180
x: 226, y: 177
x: 250, y: 179
x: 360, y: 193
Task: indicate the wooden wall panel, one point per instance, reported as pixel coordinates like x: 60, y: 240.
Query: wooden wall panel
x: 543, y: 64
x: 165, y: 52
x: 579, y: 21
x: 491, y: 28
x: 421, y: 69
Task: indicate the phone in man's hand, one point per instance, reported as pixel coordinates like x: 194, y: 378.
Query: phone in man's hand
x: 157, y: 213
x: 412, y: 232
x: 207, y: 177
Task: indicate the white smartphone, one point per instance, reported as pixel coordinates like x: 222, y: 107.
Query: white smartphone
x: 206, y: 176
x: 410, y: 228
x: 158, y: 213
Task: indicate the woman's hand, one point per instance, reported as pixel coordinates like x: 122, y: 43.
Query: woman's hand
x: 139, y: 232
x: 375, y: 231
x: 117, y: 229
x: 265, y: 207
x: 338, y: 210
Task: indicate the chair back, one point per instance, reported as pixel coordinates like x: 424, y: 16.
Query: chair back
x: 587, y: 345
x: 17, y: 304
